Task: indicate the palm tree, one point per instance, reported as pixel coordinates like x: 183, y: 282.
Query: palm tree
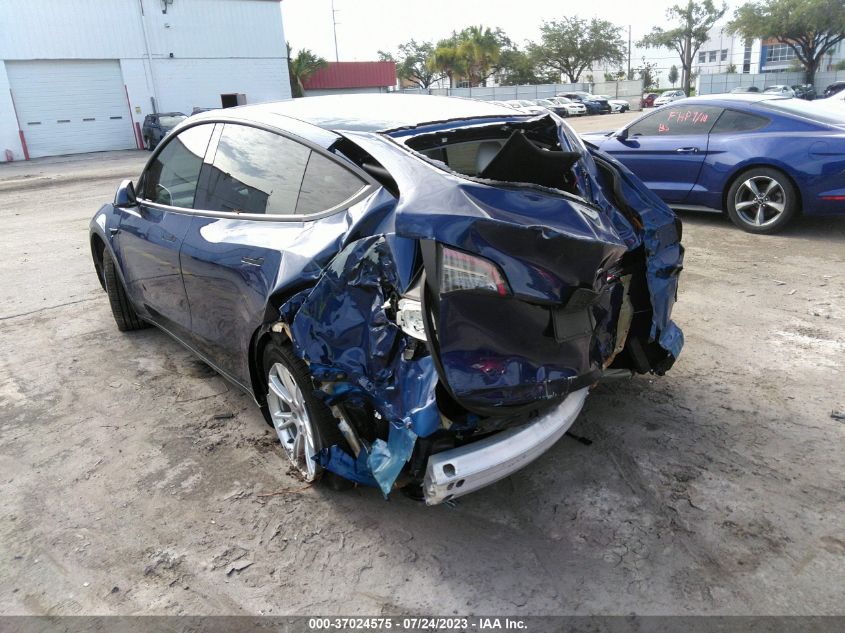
x: 305, y: 64
x: 481, y: 49
x: 447, y: 60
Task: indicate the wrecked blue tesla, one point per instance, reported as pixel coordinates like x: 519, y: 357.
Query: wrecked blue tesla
x: 418, y: 291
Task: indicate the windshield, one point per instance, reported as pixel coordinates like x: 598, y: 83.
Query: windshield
x: 526, y: 103
x: 562, y: 100
x: 171, y: 121
x: 544, y: 102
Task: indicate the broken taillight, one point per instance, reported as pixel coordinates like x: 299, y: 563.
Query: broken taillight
x: 462, y: 271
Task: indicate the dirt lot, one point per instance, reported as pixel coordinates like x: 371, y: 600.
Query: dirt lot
x: 135, y: 480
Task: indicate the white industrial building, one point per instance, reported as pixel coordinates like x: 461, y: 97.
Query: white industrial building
x: 80, y: 75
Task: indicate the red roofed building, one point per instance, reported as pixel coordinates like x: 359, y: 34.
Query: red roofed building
x: 351, y: 77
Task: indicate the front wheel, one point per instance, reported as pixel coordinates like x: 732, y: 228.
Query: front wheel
x: 121, y: 308
x: 762, y: 200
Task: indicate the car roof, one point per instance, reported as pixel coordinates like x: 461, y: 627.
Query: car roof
x: 733, y: 98
x: 371, y: 112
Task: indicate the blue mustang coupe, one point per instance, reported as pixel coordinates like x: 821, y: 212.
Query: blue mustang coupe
x: 417, y: 291
x: 763, y: 159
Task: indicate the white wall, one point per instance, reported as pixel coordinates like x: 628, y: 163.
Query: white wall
x: 217, y: 47
x: 9, y: 139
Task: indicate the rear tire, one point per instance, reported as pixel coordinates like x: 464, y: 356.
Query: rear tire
x: 762, y: 200
x: 121, y: 308
x: 291, y: 403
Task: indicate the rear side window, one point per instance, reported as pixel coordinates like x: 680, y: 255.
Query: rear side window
x: 680, y: 121
x: 172, y: 177
x: 734, y: 121
x: 256, y: 171
x: 325, y: 185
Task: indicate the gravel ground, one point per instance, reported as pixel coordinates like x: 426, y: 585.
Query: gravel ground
x: 136, y: 481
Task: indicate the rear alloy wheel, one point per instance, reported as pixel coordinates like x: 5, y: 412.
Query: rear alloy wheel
x: 303, y: 423
x: 762, y: 200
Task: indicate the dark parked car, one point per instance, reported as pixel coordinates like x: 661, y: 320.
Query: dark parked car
x: 407, y: 285
x: 156, y: 127
x: 763, y: 159
x: 593, y: 103
x: 648, y: 100
x: 804, y: 91
x: 834, y: 88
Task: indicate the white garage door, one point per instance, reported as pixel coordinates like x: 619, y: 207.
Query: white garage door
x: 69, y: 107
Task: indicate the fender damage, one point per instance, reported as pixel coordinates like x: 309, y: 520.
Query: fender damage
x: 588, y: 268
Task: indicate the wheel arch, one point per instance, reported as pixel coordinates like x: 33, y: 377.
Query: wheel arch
x: 98, y: 247
x: 273, y: 329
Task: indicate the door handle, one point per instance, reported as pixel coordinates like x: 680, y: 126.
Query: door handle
x: 114, y: 231
x: 687, y: 150
x: 252, y: 261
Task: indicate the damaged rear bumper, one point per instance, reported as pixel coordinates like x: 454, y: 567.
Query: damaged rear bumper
x: 462, y: 470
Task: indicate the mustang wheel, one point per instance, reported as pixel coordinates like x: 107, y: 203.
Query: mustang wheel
x: 304, y: 424
x: 762, y: 200
x: 121, y: 308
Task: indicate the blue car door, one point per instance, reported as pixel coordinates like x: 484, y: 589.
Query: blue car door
x: 666, y: 149
x: 259, y: 187
x: 150, y: 235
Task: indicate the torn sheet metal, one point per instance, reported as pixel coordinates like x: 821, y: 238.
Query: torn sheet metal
x: 341, y: 328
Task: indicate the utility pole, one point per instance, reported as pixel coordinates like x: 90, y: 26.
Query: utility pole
x: 629, y: 53
x: 334, y: 28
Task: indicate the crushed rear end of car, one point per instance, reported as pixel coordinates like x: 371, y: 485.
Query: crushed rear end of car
x: 457, y: 333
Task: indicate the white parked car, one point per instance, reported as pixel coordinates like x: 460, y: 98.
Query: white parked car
x: 524, y: 105
x: 617, y: 105
x: 668, y: 97
x: 778, y: 89
x: 573, y: 108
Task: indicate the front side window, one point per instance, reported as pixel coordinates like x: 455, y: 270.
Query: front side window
x: 172, y: 177
x: 676, y: 122
x: 256, y: 171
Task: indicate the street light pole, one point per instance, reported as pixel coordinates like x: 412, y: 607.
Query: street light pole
x: 334, y: 28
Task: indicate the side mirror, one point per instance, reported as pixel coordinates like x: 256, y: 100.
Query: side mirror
x: 622, y: 134
x: 125, y: 195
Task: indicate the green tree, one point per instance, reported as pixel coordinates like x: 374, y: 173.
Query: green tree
x: 647, y: 73
x: 517, y: 68
x: 305, y: 64
x: 474, y: 54
x: 481, y: 51
x: 694, y: 20
x: 414, y: 63
x: 447, y: 60
x: 731, y: 68
x: 673, y: 75
x: 572, y: 45
x: 809, y: 27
